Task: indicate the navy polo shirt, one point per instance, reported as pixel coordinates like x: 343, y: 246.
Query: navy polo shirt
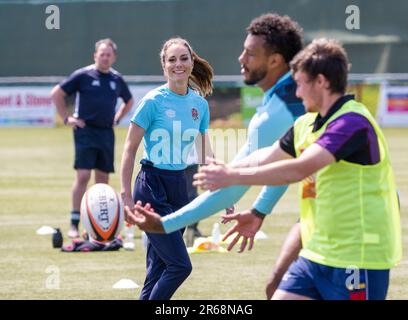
x: 97, y: 94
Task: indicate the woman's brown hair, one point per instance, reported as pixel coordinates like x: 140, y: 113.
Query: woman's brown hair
x: 202, y: 74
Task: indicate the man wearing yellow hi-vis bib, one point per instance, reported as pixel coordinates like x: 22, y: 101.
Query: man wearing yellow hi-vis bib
x: 350, y: 225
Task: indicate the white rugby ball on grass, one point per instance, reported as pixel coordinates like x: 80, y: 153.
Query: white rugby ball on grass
x: 102, y: 212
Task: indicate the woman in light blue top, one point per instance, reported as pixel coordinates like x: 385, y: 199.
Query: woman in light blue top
x: 170, y: 119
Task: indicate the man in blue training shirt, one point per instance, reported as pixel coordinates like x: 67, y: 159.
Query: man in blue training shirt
x: 271, y: 43
x: 97, y: 87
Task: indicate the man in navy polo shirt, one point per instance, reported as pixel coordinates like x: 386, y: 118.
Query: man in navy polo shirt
x: 97, y: 88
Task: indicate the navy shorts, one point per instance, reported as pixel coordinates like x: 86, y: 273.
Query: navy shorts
x: 94, y: 148
x: 316, y: 281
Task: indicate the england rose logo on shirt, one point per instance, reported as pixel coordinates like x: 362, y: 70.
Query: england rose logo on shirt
x: 194, y: 114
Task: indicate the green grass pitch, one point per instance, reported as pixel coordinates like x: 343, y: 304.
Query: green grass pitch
x: 35, y: 181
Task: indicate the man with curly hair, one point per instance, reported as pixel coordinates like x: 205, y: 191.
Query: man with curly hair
x: 349, y: 214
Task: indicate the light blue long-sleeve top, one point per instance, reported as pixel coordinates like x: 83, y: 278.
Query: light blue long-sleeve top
x: 279, y: 109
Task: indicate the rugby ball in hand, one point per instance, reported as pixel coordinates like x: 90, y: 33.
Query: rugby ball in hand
x: 102, y: 212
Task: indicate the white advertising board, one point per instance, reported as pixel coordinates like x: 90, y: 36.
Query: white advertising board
x: 393, y: 106
x: 26, y: 107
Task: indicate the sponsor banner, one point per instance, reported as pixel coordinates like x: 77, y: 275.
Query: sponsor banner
x: 32, y: 106
x: 26, y: 107
x: 397, y: 102
x: 393, y: 106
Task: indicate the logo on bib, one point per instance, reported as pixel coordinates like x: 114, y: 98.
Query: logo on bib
x: 308, y: 185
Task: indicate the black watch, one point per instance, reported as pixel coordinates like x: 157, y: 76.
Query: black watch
x: 258, y: 214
